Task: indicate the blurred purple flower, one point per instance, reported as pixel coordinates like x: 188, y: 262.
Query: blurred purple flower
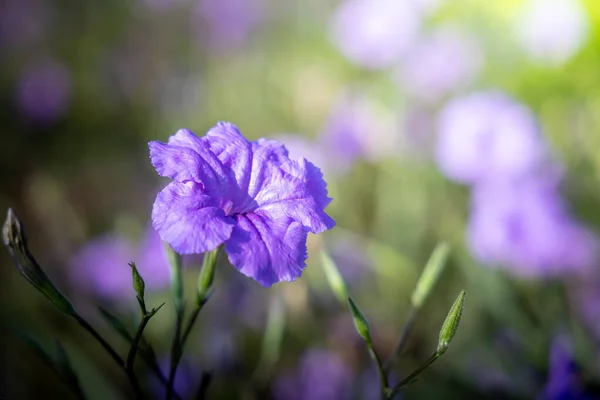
x: 248, y: 195
x: 357, y: 128
x: 299, y: 147
x: 487, y: 134
x: 187, y: 380
x: 586, y: 296
x: 525, y: 226
x: 564, y: 380
x: 101, y: 266
x: 375, y: 34
x: 23, y: 22
x: 442, y: 62
x: 226, y: 24
x: 321, y: 375
x: 553, y: 34
x: 43, y: 92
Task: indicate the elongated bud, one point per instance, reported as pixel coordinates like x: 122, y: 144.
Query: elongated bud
x: 15, y: 240
x: 430, y: 275
x: 360, y: 322
x: 332, y: 273
x: 451, y: 323
x: 207, y: 274
x: 175, y: 264
x: 138, y: 282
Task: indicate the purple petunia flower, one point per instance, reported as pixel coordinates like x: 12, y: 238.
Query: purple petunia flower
x: 442, y: 62
x: 375, y: 34
x: 553, y: 34
x: 321, y: 375
x: 102, y: 267
x: 488, y: 134
x: 44, y: 92
x: 526, y: 227
x: 248, y: 195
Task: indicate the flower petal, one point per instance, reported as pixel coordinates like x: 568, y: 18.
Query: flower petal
x: 233, y: 150
x: 267, y: 250
x: 186, y: 157
x: 190, y: 220
x: 295, y: 189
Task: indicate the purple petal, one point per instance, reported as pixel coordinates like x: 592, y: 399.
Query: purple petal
x: 233, y: 150
x: 189, y: 220
x: 186, y: 157
x: 267, y: 250
x: 296, y: 189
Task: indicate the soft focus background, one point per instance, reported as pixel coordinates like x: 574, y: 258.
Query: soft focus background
x: 466, y: 121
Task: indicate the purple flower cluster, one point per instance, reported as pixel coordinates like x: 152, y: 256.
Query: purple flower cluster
x: 518, y: 218
x: 249, y: 196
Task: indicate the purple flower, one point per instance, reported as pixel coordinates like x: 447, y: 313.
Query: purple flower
x: 487, y: 134
x: 564, y: 381
x: 525, y: 226
x: 358, y: 127
x: 375, y: 34
x: 248, y: 195
x: 553, y: 34
x: 442, y: 62
x: 321, y: 375
x: 101, y: 266
x: 44, y: 92
x: 228, y: 23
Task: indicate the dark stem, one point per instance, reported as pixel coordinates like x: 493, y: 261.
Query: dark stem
x: 115, y: 356
x: 133, y: 349
x: 204, y: 383
x: 175, y: 355
x: 402, y: 339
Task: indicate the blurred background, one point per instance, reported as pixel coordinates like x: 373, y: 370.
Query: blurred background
x: 461, y: 121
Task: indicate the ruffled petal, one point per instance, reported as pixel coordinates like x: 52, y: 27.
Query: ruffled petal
x: 190, y: 220
x: 267, y: 250
x: 235, y: 153
x: 186, y: 157
x: 294, y: 189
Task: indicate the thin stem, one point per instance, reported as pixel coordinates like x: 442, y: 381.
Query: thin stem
x: 416, y: 372
x: 136, y: 341
x: 115, y: 356
x: 204, y: 383
x: 402, y: 338
x: 382, y: 375
x: 175, y: 355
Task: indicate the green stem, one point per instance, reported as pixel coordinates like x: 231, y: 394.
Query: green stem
x: 382, y: 375
x: 416, y: 372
